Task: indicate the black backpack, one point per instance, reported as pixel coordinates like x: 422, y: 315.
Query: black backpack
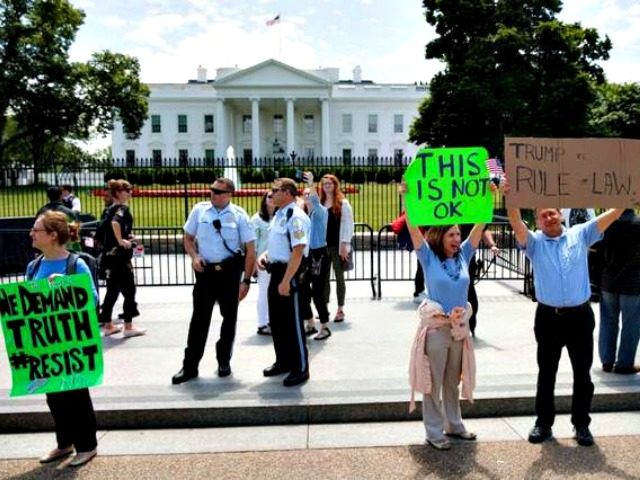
x: 70, y: 269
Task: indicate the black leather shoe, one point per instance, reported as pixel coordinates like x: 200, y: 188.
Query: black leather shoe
x: 224, y: 370
x: 607, y: 367
x: 295, y: 378
x: 539, y: 434
x: 633, y: 369
x: 583, y: 436
x: 183, y: 376
x: 274, y: 370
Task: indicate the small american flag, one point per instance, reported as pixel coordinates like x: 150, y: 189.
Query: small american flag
x: 495, y: 167
x: 273, y: 21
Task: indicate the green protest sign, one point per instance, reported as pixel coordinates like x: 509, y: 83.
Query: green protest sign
x: 446, y: 186
x: 51, y: 334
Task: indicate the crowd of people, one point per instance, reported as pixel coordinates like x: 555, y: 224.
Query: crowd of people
x: 290, y: 246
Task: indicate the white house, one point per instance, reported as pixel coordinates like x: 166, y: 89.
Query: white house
x: 272, y: 109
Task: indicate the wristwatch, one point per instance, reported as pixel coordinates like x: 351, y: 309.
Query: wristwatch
x: 246, y: 280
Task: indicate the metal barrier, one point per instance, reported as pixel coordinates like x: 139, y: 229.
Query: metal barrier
x: 511, y: 264
x: 164, y: 262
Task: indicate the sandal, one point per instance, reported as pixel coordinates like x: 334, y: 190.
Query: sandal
x: 310, y: 331
x: 339, y: 317
x: 463, y: 436
x: 323, y: 335
x: 264, y: 330
x: 112, y: 330
x: 440, y: 444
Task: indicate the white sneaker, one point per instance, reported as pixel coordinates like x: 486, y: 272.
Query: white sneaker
x: 81, y: 458
x: 417, y: 299
x: 134, y: 332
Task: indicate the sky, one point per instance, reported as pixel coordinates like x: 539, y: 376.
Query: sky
x: 386, y: 38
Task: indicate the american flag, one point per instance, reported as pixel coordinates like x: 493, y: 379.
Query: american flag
x: 273, y: 21
x: 495, y: 167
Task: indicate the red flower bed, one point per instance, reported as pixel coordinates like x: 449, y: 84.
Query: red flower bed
x: 202, y: 192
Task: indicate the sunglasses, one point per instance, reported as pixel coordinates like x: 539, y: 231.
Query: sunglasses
x: 217, y: 191
x: 276, y: 190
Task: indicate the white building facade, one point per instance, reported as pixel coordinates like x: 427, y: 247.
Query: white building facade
x: 273, y: 110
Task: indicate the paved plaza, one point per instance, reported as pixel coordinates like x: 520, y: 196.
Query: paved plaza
x: 357, y: 398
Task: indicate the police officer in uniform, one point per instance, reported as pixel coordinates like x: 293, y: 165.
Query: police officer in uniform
x: 288, y: 244
x: 220, y: 229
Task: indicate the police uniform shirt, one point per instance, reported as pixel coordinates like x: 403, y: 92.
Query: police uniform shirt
x: 122, y: 215
x: 235, y: 229
x: 298, y: 226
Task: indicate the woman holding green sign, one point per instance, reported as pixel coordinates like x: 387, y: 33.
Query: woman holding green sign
x: 72, y: 410
x: 443, y: 341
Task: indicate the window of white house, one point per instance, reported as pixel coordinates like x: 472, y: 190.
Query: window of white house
x: 278, y: 125
x: 347, y: 123
x: 372, y: 123
x: 398, y: 123
x: 372, y: 156
x: 346, y: 156
x: 208, y: 124
x: 247, y: 157
x: 130, y: 157
x: 246, y: 124
x: 183, y: 157
x: 309, y: 153
x: 209, y: 157
x: 156, y: 126
x: 309, y: 125
x: 182, y: 124
x: 156, y: 156
x: 398, y: 155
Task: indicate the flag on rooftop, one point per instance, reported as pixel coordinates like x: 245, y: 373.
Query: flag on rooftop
x: 273, y: 21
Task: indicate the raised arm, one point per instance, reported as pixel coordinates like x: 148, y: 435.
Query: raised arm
x: 417, y: 239
x: 607, y: 218
x: 519, y: 228
x: 476, y: 234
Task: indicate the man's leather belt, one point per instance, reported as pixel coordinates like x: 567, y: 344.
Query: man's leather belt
x: 563, y: 310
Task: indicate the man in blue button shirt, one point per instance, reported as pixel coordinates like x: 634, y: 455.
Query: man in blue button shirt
x: 564, y: 316
x: 214, y: 236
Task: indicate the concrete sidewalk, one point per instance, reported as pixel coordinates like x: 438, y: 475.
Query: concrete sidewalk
x: 357, y: 375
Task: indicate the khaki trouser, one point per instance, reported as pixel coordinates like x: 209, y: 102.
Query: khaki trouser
x: 445, y: 359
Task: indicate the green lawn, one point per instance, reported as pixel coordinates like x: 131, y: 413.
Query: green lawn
x: 374, y: 204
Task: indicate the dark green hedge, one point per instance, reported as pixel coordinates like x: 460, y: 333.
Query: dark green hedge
x: 173, y: 176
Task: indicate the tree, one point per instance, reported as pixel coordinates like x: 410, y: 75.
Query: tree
x: 616, y: 111
x: 511, y: 69
x: 50, y: 98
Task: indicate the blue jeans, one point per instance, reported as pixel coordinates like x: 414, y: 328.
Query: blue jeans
x: 611, y: 304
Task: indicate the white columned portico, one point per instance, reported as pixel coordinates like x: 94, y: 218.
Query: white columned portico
x: 290, y: 126
x: 255, y: 127
x: 325, y: 127
x: 221, y: 128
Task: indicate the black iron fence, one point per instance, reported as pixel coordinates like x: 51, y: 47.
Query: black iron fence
x: 165, y: 191
x: 394, y: 264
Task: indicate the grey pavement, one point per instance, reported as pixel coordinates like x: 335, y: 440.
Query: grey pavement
x: 349, y: 421
x: 358, y: 374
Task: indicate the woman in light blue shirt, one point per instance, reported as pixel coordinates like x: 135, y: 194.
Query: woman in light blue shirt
x: 445, y: 261
x: 260, y: 223
x: 72, y: 410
